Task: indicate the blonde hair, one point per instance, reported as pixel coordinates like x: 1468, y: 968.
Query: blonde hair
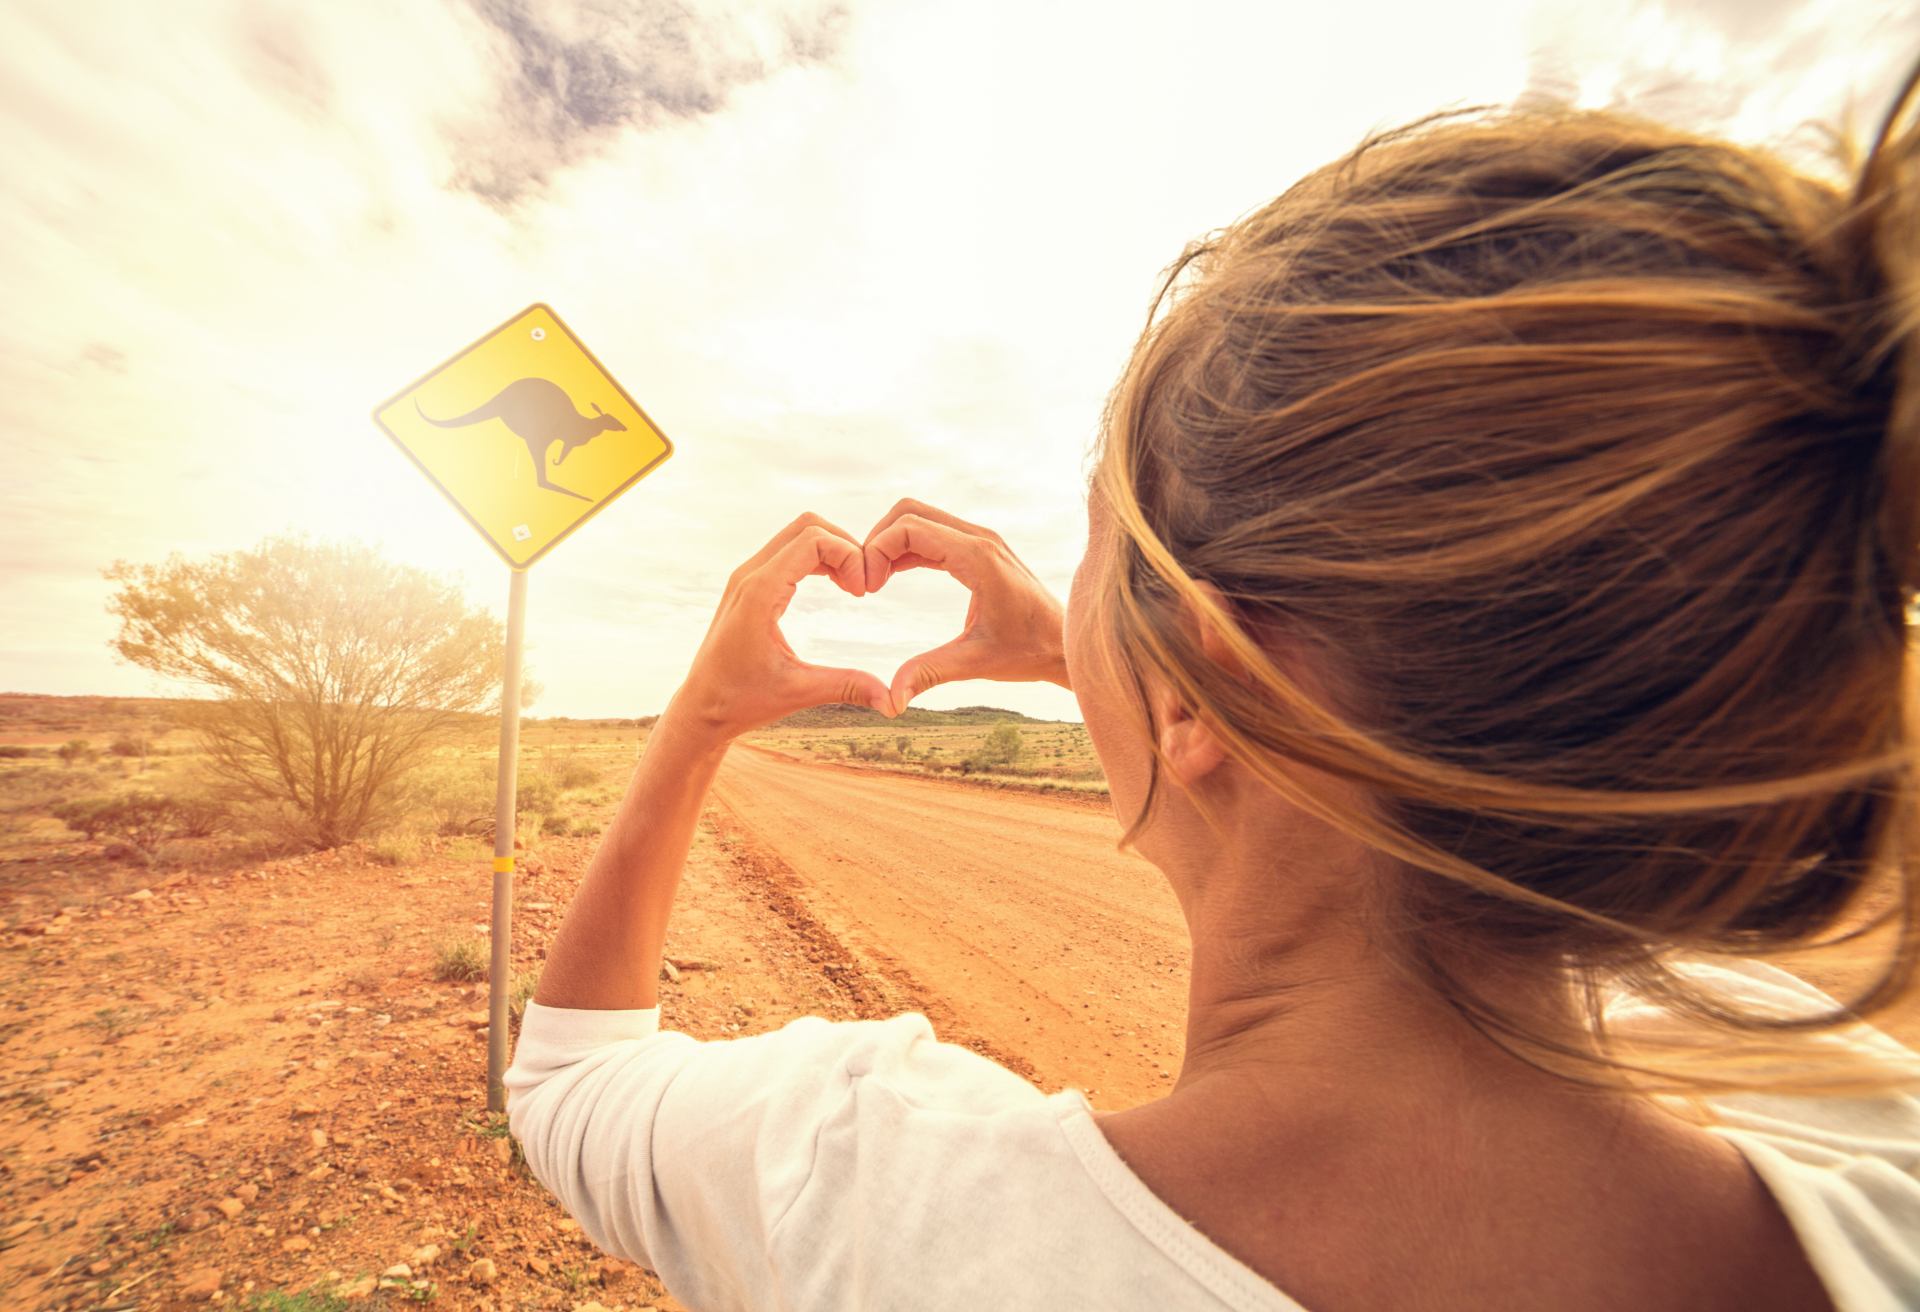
x: 1584, y: 452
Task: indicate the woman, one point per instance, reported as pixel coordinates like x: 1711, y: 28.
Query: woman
x: 1494, y: 599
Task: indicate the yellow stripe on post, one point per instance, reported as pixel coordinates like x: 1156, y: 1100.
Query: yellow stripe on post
x: 503, y: 865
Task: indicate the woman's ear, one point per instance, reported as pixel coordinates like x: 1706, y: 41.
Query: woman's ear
x: 1192, y: 750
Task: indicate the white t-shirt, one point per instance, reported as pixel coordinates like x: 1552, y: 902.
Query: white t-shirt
x: 866, y: 1164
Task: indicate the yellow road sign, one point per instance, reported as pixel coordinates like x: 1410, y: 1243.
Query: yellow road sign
x: 526, y: 433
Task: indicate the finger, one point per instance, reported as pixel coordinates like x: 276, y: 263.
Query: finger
x: 815, y: 549
x: 920, y: 541
x: 824, y: 684
x: 909, y: 506
x: 946, y: 663
x: 900, y: 564
x: 786, y: 535
x: 877, y: 572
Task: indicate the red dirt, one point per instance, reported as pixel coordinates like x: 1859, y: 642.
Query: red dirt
x: 165, y: 1055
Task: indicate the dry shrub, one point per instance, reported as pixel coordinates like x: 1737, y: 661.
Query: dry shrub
x: 461, y: 957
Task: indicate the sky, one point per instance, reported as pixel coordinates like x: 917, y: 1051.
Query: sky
x: 841, y: 253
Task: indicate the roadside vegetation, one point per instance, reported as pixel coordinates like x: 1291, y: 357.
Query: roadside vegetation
x: 982, y: 743
x: 329, y: 673
x: 65, y: 812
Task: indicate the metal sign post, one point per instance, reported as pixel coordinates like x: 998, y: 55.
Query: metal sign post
x: 472, y: 426
x: 505, y: 808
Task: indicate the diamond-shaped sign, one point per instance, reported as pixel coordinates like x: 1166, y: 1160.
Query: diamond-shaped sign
x: 526, y: 433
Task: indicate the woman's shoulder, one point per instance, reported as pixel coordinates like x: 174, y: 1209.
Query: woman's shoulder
x: 900, y: 1056
x: 903, y: 1093
x: 883, y: 1089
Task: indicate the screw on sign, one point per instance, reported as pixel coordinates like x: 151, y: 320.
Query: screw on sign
x: 491, y: 428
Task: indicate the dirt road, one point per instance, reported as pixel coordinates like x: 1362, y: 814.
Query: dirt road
x: 1010, y: 919
x: 1008, y: 916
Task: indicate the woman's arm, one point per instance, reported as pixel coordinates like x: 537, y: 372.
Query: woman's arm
x: 607, y: 953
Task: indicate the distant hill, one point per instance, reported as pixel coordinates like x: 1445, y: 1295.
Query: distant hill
x: 28, y: 717
x: 835, y: 715
x: 47, y: 718
x: 39, y: 717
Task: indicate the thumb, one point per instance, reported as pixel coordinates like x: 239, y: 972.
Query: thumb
x: 825, y: 684
x: 944, y: 664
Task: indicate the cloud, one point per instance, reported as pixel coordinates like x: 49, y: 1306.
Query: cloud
x: 576, y: 74
x: 275, y: 47
x: 100, y: 355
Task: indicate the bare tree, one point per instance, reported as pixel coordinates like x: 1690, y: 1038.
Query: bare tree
x: 332, y: 670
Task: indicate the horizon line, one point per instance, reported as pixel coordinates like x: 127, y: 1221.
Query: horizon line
x: 526, y: 715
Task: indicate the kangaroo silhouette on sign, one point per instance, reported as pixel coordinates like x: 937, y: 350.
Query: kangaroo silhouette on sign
x: 539, y: 413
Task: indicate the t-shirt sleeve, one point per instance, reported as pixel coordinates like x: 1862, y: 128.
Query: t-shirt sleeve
x: 684, y: 1155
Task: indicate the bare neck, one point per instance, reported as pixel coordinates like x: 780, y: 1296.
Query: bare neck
x: 1290, y: 971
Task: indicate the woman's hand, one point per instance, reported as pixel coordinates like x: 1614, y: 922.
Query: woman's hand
x: 745, y: 675
x: 1015, y: 629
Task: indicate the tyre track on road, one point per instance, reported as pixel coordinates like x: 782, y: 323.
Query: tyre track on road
x: 1009, y: 918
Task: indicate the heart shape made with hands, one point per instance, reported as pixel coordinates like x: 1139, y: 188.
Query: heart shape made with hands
x: 825, y: 625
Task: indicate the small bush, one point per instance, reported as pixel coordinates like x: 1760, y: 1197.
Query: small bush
x: 876, y: 751
x: 77, y: 749
x: 460, y: 957
x: 536, y: 792
x: 198, y: 817
x: 279, y: 1300
x: 127, y: 745
x: 472, y: 847
x: 1003, y: 746
x: 401, y: 847
x: 14, y: 750
x: 171, y: 855
x: 449, y: 795
x: 586, y: 829
x: 556, y: 824
x: 575, y: 774
x: 141, y: 819
x: 272, y: 829
x: 139, y: 816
